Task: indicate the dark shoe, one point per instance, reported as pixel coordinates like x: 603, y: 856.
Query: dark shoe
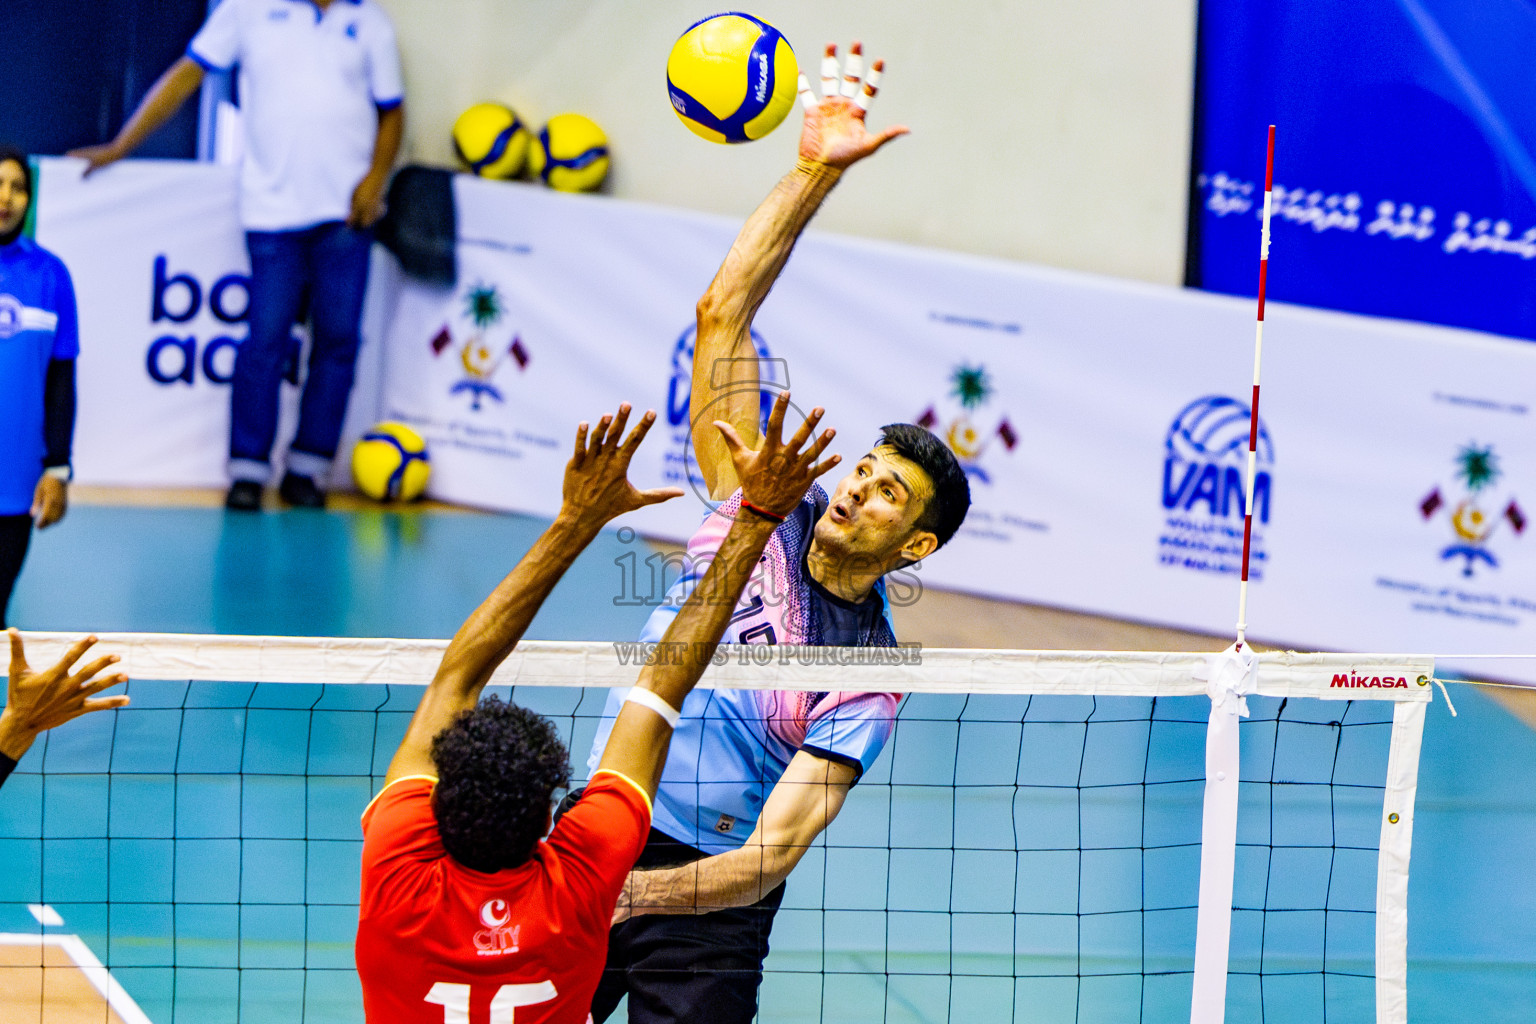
x: 300, y: 492
x: 243, y: 496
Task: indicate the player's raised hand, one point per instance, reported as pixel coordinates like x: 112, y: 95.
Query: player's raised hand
x: 597, y: 486
x: 834, y: 131
x: 776, y: 476
x: 36, y: 701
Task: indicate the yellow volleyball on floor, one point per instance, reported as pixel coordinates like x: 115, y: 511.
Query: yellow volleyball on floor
x: 491, y: 140
x: 732, y: 78
x: 390, y: 463
x: 570, y: 154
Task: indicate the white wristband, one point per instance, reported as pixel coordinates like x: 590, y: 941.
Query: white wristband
x: 647, y: 698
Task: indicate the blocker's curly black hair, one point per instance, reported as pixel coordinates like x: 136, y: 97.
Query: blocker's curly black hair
x: 498, y: 766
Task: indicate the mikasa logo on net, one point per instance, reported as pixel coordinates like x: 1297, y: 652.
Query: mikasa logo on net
x: 1354, y: 680
x: 497, y: 937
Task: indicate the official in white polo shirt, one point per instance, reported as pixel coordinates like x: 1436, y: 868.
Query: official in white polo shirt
x: 320, y: 94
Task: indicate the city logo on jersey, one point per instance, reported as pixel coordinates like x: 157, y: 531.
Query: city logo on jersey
x: 499, y: 936
x: 1472, y: 526
x: 1205, y: 459
x: 480, y: 357
x: 681, y: 468
x: 970, y: 388
x: 10, y: 316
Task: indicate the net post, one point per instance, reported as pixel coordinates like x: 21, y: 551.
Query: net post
x: 1392, y: 862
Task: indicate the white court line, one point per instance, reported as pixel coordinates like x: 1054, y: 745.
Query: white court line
x: 100, y: 978
x: 45, y: 915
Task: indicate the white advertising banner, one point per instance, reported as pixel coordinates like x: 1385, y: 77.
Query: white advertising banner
x: 158, y: 260
x: 1104, y: 424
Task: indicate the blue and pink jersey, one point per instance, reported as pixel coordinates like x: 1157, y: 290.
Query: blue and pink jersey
x: 731, y: 746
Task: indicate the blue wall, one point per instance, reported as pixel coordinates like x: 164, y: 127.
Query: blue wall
x: 74, y: 72
x: 1386, y: 109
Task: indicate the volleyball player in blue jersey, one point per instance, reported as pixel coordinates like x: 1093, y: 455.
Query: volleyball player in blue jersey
x: 39, y: 340
x: 755, y: 776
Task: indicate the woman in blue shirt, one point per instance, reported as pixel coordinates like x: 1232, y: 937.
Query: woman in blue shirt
x: 39, y: 340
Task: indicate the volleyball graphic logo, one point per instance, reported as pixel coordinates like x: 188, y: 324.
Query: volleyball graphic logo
x: 1205, y: 457
x: 491, y: 140
x: 732, y: 78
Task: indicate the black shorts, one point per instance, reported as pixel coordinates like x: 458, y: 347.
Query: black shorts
x: 15, y: 535
x: 686, y: 968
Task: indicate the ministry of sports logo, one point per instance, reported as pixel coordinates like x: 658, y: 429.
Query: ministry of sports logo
x: 1205, y: 457
x: 1472, y: 527
x: 480, y: 356
x: 970, y: 389
x: 499, y: 936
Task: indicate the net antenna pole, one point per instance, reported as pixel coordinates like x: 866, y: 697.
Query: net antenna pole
x: 1228, y: 675
x: 1253, y: 412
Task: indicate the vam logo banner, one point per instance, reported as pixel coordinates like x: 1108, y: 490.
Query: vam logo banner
x: 1205, y: 457
x: 681, y: 468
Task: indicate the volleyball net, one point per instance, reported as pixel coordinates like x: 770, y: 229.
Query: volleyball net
x: 1049, y: 836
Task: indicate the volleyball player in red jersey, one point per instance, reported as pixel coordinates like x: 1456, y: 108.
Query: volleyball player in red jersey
x: 467, y: 915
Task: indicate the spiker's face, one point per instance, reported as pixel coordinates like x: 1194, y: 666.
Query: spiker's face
x: 872, y: 517
x: 14, y: 197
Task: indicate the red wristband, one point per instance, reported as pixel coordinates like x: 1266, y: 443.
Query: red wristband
x: 761, y: 511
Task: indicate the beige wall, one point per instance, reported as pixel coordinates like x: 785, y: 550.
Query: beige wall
x: 1052, y: 131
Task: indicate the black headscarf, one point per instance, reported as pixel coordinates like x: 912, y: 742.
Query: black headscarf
x: 8, y: 152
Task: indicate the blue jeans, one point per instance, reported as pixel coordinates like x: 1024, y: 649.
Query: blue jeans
x: 329, y: 263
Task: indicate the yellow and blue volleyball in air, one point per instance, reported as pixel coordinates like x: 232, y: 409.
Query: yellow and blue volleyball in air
x: 732, y: 78
x: 390, y: 463
x: 491, y: 140
x: 570, y: 154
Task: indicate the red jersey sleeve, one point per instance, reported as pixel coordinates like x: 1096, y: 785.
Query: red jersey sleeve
x: 599, y: 840
x: 400, y: 839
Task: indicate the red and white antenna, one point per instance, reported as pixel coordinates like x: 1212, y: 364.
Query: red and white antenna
x: 1253, y: 414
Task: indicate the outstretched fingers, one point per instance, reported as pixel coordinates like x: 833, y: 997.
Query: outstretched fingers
x: 95, y: 686
x: 830, y: 72
x: 866, y: 95
x: 733, y: 442
x: 616, y: 431
x: 95, y: 668
x: 104, y: 704
x: 853, y: 70
x: 75, y: 652
x: 637, y: 435
x: 18, y: 654
x: 773, y: 437
x: 807, y: 97
x: 656, y: 495
x: 821, y: 467
x: 581, y: 444
x: 599, y: 434
x: 798, y: 439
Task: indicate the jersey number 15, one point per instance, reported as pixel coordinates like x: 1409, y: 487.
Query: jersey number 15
x: 454, y: 999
